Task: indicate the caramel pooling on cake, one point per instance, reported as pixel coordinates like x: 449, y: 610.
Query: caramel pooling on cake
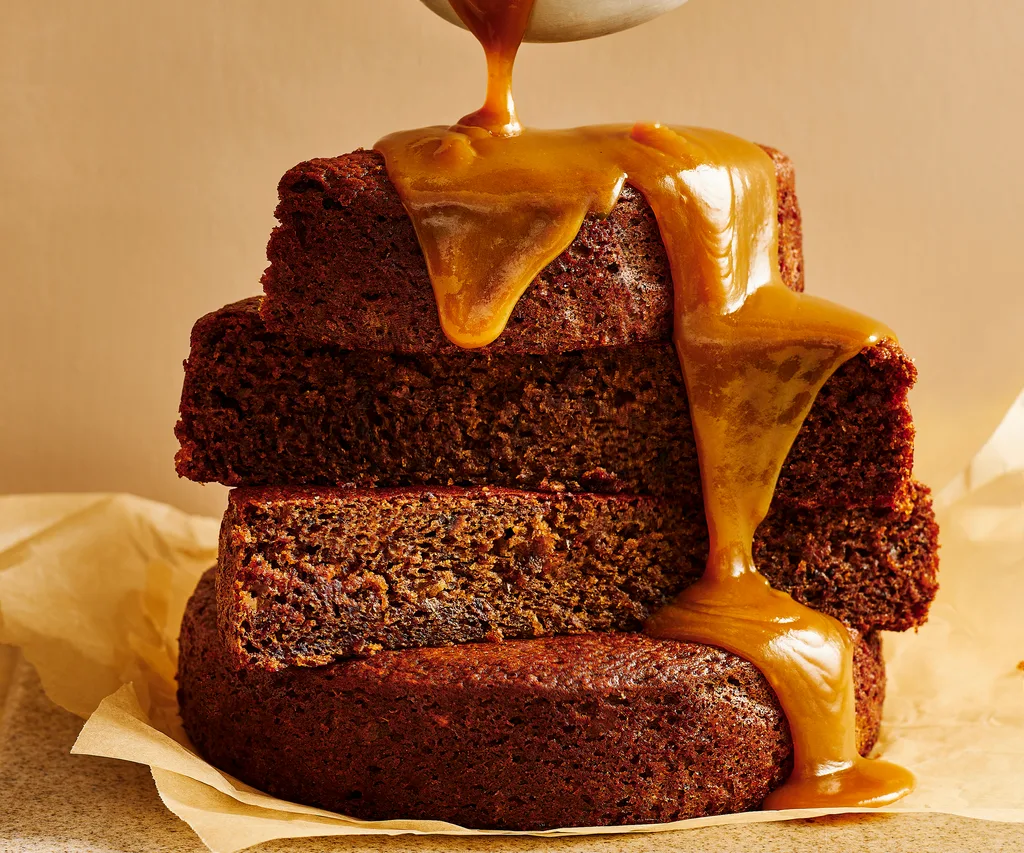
x: 493, y: 204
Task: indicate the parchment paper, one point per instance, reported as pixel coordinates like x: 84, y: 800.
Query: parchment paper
x: 92, y: 588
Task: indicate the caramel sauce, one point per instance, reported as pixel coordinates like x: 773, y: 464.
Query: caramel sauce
x: 493, y: 204
x: 499, y: 27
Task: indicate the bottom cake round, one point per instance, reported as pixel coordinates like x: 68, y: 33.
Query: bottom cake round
x: 586, y: 730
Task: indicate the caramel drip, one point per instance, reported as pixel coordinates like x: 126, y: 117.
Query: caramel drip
x: 499, y: 27
x: 493, y: 205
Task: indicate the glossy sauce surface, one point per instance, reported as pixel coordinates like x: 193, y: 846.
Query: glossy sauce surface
x: 493, y: 204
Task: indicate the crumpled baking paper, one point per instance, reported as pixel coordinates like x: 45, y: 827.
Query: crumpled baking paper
x: 92, y: 588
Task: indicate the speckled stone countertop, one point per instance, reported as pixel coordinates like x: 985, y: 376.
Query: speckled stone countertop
x: 53, y: 801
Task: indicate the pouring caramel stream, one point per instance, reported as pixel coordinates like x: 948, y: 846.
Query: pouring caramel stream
x: 493, y: 204
x: 499, y: 27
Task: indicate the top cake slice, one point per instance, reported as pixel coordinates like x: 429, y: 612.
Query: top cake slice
x: 346, y: 268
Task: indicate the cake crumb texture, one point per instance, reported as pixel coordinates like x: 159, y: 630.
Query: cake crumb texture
x: 307, y: 576
x: 259, y: 408
x: 596, y: 729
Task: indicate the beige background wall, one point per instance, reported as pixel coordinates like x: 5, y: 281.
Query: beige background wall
x: 141, y: 142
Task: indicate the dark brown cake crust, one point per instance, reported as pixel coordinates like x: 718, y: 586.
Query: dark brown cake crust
x: 260, y: 408
x: 308, y: 576
x: 346, y: 268
x: 599, y: 729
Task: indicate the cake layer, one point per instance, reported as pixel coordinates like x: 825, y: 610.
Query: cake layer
x: 260, y: 408
x: 598, y: 729
x: 308, y: 576
x: 346, y: 268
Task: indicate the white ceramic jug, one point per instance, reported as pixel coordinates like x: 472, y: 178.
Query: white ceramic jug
x: 573, y: 20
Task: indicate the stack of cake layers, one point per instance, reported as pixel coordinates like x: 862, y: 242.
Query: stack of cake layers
x: 434, y: 569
